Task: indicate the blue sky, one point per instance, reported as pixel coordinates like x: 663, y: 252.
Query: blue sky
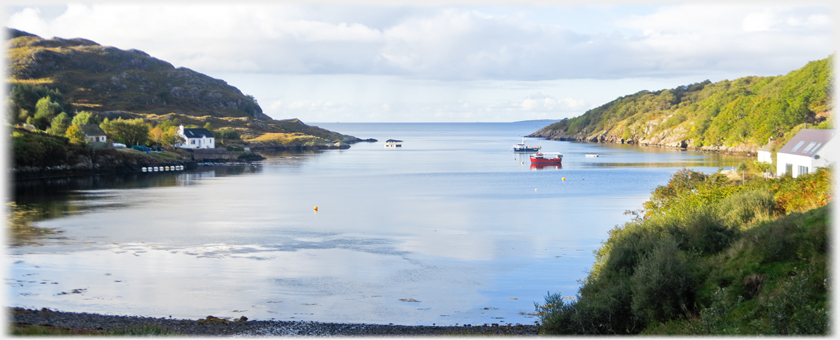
x: 405, y: 62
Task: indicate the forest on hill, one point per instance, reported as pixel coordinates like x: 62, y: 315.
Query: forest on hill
x: 729, y: 115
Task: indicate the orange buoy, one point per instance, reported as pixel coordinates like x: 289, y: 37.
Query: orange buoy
x: 316, y: 208
x: 564, y: 178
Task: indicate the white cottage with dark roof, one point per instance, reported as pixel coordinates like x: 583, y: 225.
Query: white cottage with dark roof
x: 196, y: 138
x: 808, y: 150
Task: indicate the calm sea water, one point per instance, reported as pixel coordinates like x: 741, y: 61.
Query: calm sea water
x: 453, y: 228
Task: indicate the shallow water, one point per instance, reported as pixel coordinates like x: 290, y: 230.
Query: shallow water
x: 453, y: 228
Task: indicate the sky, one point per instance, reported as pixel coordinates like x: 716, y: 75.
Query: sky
x: 491, y: 61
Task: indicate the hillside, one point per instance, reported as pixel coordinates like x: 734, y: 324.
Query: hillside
x: 85, y: 76
x: 738, y: 115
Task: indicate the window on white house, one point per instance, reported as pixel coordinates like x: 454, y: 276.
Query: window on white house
x: 788, y: 168
x: 803, y: 170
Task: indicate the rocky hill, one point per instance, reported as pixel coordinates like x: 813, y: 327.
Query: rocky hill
x: 739, y: 115
x: 102, y: 78
x: 113, y: 83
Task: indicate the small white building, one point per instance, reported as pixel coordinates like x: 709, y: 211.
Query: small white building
x: 804, y: 153
x: 93, y: 133
x: 764, y: 154
x: 199, y: 138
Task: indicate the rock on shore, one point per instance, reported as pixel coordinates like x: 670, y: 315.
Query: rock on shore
x: 212, y: 326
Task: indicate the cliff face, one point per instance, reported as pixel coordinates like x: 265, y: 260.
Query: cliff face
x: 101, y: 79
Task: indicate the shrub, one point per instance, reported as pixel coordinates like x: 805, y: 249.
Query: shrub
x: 746, y: 207
x: 663, y: 285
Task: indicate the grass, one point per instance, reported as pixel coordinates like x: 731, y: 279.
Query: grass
x: 39, y: 81
x: 288, y: 139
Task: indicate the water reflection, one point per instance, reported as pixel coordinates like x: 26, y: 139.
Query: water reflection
x: 50, y: 198
x: 546, y: 167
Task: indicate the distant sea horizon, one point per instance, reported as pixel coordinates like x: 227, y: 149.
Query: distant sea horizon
x: 548, y: 121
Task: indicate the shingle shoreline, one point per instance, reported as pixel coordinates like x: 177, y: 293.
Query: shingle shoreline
x: 218, y: 327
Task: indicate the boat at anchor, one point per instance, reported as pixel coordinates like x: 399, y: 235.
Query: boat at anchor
x: 547, y: 158
x: 521, y: 147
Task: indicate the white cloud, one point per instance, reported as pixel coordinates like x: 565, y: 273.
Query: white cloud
x: 402, y: 63
x: 756, y: 22
x: 277, y: 104
x: 451, y: 43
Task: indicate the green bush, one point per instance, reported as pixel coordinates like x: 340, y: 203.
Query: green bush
x: 663, y: 286
x: 747, y: 207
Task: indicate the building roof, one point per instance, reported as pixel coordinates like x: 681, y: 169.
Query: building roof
x: 807, y: 142
x: 91, y: 130
x: 197, y: 133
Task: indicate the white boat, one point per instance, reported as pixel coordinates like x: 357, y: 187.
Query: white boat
x: 592, y: 155
x: 393, y: 143
x: 521, y: 147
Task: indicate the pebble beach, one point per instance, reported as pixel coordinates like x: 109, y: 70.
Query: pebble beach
x: 212, y: 326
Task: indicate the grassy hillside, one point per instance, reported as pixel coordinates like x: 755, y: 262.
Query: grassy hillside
x: 744, y: 112
x: 710, y: 256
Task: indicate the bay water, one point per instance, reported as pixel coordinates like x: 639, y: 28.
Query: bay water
x: 451, y: 228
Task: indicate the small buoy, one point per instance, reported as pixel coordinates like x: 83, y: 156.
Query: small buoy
x: 535, y: 189
x: 564, y: 178
x: 316, y: 208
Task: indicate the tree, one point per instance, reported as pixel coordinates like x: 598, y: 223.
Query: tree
x: 209, y: 127
x: 128, y: 131
x: 45, y: 110
x: 84, y: 117
x: 59, y: 124
x: 228, y: 133
x: 23, y: 98
x: 75, y: 135
x: 171, y: 136
x: 156, y: 134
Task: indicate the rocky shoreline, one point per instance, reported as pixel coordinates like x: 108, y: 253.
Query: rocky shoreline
x: 664, y: 140
x: 212, y: 326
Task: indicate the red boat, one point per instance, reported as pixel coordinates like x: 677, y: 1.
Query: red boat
x: 546, y: 158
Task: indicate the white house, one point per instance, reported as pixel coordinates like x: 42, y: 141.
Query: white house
x: 808, y: 150
x: 764, y: 153
x: 93, y: 133
x: 196, y: 138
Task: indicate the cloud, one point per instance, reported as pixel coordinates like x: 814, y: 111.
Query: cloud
x: 452, y: 43
x: 540, y: 102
